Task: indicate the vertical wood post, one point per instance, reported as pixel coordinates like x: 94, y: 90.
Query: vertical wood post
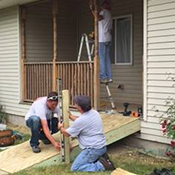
x: 55, y: 45
x: 96, y: 61
x: 65, y: 108
x: 23, y: 51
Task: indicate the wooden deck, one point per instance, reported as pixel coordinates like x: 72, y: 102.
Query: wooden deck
x: 20, y: 157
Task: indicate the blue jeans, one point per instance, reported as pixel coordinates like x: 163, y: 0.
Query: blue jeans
x: 105, y: 60
x: 34, y: 123
x: 87, y: 160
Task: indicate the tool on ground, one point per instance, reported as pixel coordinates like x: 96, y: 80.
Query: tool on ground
x: 62, y: 144
x: 134, y: 114
x: 139, y: 110
x: 90, y: 52
x: 126, y: 112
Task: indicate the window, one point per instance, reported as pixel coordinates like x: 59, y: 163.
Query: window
x: 123, y: 40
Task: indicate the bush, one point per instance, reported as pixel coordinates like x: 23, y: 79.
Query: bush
x: 168, y: 127
x: 3, y: 115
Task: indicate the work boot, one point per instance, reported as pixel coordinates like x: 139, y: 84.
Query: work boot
x: 106, y: 162
x: 36, y: 149
x: 46, y: 141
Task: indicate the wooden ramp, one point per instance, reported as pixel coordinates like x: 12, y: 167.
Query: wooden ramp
x: 20, y: 157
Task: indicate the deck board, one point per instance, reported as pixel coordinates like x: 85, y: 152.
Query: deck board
x: 20, y: 157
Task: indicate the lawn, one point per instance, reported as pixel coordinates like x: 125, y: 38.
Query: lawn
x: 127, y: 158
x: 131, y: 160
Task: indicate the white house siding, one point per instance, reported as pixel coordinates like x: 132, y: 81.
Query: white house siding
x: 39, y: 31
x: 129, y: 76
x: 160, y: 62
x: 10, y: 62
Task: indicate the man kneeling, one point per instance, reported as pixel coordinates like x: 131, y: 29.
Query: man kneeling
x: 41, y: 121
x: 89, y: 131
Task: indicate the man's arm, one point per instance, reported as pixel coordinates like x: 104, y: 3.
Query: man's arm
x: 100, y: 17
x: 72, y: 117
x: 48, y: 135
x: 63, y: 130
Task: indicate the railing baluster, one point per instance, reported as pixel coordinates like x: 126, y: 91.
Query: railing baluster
x: 77, y: 77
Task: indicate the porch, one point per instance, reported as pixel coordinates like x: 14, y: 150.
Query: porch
x: 50, y: 37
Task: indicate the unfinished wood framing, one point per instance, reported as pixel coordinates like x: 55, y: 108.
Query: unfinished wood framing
x: 38, y: 80
x: 80, y: 79
x: 55, y: 45
x: 96, y: 61
x: 23, y: 51
x: 65, y: 108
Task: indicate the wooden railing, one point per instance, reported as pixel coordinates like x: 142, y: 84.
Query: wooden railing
x: 77, y: 77
x: 37, y: 80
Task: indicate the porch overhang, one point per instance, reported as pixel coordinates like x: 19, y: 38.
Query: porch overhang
x: 10, y: 3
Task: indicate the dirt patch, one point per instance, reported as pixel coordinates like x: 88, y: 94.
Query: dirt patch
x: 20, y: 129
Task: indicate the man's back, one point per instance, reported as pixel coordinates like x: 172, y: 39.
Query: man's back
x: 88, y: 128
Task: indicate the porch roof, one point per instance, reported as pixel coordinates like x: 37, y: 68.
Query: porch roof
x: 9, y: 3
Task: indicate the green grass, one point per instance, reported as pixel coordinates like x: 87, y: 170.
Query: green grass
x: 132, y: 161
x: 25, y: 137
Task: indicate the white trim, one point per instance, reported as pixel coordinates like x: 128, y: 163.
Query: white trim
x: 131, y: 35
x: 145, y: 60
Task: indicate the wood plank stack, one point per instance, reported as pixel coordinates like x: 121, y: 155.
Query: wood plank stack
x: 6, y: 138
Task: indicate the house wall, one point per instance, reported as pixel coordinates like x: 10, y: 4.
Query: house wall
x: 10, y: 63
x: 39, y: 35
x: 129, y: 76
x: 159, y: 64
x: 39, y: 31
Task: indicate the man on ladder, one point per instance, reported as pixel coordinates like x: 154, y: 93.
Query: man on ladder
x: 105, y: 28
x: 90, y: 54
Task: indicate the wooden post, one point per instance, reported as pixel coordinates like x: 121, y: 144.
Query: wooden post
x: 23, y: 51
x: 55, y: 45
x: 96, y: 61
x: 65, y: 108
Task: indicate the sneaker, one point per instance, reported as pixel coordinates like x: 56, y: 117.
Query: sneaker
x: 110, y: 80
x: 104, y: 81
x: 36, y: 149
x: 46, y: 141
x: 108, y: 165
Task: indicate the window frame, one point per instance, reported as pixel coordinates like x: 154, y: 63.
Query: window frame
x: 130, y: 16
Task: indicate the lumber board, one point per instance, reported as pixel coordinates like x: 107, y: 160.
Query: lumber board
x: 20, y: 157
x: 3, y: 173
x: 120, y: 171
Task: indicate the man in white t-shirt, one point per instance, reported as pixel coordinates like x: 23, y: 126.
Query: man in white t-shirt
x: 104, y: 29
x: 41, y: 121
x: 88, y: 129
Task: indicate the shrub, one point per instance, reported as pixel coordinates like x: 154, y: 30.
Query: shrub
x: 3, y: 115
x: 168, y: 126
